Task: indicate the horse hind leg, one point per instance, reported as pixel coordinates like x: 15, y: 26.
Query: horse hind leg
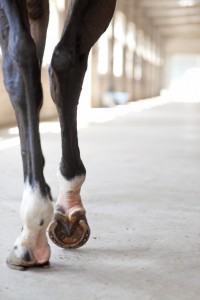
x: 85, y: 23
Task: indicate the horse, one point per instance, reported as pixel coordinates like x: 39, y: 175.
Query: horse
x: 23, y: 27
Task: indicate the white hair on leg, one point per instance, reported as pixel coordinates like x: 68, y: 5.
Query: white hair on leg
x: 72, y: 185
x: 69, y: 197
x: 36, y: 212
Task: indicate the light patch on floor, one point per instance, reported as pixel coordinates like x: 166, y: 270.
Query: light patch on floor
x: 88, y: 116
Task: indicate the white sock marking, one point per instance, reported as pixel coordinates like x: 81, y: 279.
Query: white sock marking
x: 69, y: 196
x: 36, y: 213
x: 73, y: 185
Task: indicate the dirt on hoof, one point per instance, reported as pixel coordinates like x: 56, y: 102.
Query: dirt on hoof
x: 70, y: 230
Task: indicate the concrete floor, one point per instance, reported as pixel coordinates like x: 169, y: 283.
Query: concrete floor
x: 142, y: 197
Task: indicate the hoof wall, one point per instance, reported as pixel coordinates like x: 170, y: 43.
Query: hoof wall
x: 15, y: 267
x: 24, y: 268
x: 24, y: 262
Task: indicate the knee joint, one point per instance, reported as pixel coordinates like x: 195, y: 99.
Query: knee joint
x: 22, y: 49
x: 63, y: 59
x: 13, y: 83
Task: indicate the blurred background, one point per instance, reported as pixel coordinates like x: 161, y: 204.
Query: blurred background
x: 151, y: 48
x: 142, y: 188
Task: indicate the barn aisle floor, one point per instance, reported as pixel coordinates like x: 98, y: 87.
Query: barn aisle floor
x: 142, y: 196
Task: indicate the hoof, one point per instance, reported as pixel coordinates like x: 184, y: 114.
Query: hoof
x: 25, y: 262
x: 69, y: 231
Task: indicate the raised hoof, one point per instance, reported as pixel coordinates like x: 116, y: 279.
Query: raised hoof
x: 18, y: 264
x: 69, y: 231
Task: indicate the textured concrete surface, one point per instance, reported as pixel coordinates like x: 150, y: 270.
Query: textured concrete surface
x: 142, y: 198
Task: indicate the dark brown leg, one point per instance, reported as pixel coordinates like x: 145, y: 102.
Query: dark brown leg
x: 86, y: 21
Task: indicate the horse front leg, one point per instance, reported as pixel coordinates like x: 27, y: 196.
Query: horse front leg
x: 21, y: 71
x: 85, y: 22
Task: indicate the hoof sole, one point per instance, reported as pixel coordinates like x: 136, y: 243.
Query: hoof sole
x: 69, y: 232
